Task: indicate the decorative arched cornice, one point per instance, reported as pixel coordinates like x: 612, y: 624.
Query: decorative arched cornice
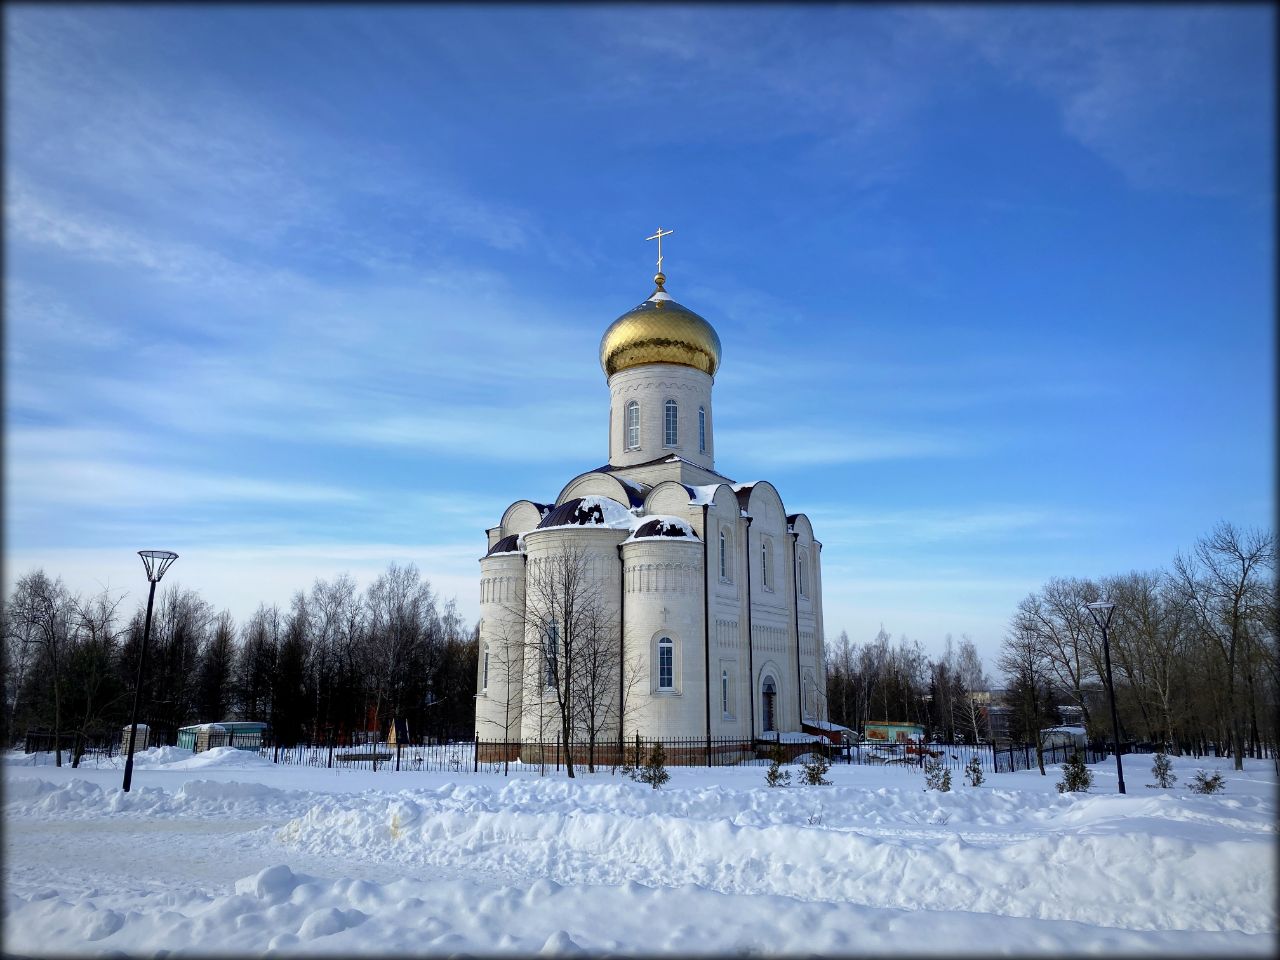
x: 630, y: 492
x: 750, y: 495
x: 511, y: 526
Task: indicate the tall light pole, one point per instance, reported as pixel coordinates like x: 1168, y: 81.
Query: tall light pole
x: 156, y: 563
x: 1102, y: 611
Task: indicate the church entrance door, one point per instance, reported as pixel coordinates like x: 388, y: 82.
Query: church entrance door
x: 769, y: 696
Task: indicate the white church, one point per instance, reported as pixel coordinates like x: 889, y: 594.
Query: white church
x: 697, y: 601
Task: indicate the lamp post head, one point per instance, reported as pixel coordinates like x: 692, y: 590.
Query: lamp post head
x: 157, y: 562
x: 1101, y: 611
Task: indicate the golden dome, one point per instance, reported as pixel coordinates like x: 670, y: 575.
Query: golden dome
x: 660, y: 331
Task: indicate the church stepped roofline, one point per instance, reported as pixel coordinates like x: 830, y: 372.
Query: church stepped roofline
x: 666, y: 458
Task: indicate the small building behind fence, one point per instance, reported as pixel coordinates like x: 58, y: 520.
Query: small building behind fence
x: 1063, y: 737
x: 241, y: 734
x: 893, y: 731
x: 142, y: 741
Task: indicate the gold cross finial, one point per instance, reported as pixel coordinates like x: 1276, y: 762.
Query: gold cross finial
x: 658, y: 236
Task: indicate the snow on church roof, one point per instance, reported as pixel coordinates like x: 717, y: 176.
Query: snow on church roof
x: 508, y: 544
x: 597, y: 511
x: 661, y: 527
x: 593, y: 511
x: 704, y: 494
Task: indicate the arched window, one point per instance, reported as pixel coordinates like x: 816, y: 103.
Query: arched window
x: 666, y: 664
x: 670, y: 414
x: 769, y: 704
x: 702, y: 429
x: 724, y: 558
x: 484, y: 677
x: 633, y: 425
x: 724, y: 692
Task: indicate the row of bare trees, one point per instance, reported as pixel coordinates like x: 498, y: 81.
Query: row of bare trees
x: 1193, y: 649
x: 880, y: 681
x: 337, y: 663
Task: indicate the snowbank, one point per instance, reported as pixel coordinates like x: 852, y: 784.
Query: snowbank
x: 247, y: 859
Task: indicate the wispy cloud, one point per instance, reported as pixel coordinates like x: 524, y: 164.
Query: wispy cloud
x: 35, y: 482
x: 1128, y: 79
x: 977, y: 525
x: 776, y: 448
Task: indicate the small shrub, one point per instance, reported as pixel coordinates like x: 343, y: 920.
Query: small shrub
x: 1203, y: 783
x: 815, y: 770
x: 1162, y: 770
x: 631, y: 761
x: 973, y: 771
x: 654, y: 771
x: 936, y: 775
x: 775, y: 776
x: 1076, y: 777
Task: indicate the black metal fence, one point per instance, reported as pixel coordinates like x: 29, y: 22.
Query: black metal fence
x: 449, y: 757
x: 510, y: 756
x: 1022, y: 756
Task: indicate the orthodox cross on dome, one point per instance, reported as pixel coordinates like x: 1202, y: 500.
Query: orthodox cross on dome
x: 658, y: 236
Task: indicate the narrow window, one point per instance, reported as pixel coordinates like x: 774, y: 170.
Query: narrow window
x: 633, y: 425
x: 669, y: 435
x: 552, y: 652
x: 764, y: 563
x: 702, y: 430
x: 485, y: 680
x: 723, y: 558
x: 804, y: 591
x: 724, y: 692
x: 666, y: 664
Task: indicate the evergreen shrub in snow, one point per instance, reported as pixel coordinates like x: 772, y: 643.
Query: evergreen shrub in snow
x: 1076, y: 777
x: 936, y: 775
x: 1162, y: 770
x: 973, y: 771
x: 815, y: 769
x: 775, y: 776
x: 654, y: 771
x: 631, y: 760
x: 1203, y: 783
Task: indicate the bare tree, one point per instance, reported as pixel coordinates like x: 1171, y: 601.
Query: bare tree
x: 568, y: 622
x: 1149, y: 643
x: 1057, y: 620
x: 401, y: 609
x: 1023, y: 662
x: 973, y: 681
x: 1223, y: 580
x: 91, y: 658
x: 41, y: 611
x: 596, y: 675
x: 501, y: 666
x: 20, y: 648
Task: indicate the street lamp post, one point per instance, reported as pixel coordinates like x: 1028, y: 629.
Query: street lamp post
x: 156, y: 563
x: 1102, y: 611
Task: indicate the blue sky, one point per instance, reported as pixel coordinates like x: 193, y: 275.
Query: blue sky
x: 300, y: 290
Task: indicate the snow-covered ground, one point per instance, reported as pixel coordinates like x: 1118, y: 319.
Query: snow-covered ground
x: 224, y: 852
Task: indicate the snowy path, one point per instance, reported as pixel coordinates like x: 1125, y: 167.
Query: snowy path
x: 230, y: 854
